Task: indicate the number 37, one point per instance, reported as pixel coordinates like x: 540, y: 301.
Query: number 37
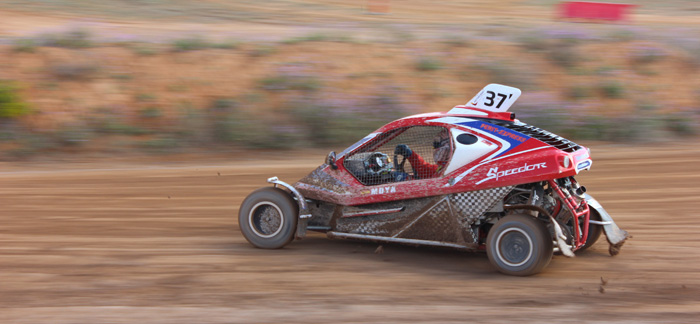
x: 490, y: 96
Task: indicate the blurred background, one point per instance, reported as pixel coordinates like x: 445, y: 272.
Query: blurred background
x: 154, y: 76
x: 131, y: 131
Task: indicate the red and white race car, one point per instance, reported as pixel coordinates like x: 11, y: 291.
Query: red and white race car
x: 473, y: 178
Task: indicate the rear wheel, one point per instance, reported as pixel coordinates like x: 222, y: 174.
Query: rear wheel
x: 268, y: 218
x: 519, y: 245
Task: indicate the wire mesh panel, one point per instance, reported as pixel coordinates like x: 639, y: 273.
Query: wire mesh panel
x: 436, y: 224
x: 408, y: 153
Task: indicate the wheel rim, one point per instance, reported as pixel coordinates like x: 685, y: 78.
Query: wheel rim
x: 265, y: 219
x: 514, y: 247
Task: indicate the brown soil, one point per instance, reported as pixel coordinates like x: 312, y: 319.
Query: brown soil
x: 157, y: 242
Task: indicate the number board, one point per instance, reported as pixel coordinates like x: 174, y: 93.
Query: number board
x: 495, y: 97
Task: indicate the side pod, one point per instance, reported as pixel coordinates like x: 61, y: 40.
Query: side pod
x: 615, y: 235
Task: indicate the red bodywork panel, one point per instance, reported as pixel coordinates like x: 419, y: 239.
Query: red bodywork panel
x: 515, y: 159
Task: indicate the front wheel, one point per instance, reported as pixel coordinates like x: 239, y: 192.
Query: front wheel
x: 519, y: 245
x: 268, y: 218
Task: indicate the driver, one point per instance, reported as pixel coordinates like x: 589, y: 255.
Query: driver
x: 441, y: 155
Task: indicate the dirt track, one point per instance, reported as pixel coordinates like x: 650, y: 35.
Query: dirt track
x: 158, y: 243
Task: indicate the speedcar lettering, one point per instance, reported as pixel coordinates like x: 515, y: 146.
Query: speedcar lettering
x: 502, y: 132
x: 382, y: 190
x: 494, y: 173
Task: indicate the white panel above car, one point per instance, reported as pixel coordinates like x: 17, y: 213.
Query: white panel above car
x: 494, y: 97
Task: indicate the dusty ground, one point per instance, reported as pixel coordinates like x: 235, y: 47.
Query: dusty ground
x: 158, y: 242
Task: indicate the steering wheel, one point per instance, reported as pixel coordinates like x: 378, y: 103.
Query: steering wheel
x: 400, y: 173
x: 399, y: 167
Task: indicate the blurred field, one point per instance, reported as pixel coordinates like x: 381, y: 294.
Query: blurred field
x: 328, y: 11
x: 158, y: 242
x: 177, y: 76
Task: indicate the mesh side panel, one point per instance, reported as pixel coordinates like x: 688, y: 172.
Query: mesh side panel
x: 438, y: 224
x: 386, y: 224
x: 419, y: 140
x: 382, y: 225
x: 469, y: 206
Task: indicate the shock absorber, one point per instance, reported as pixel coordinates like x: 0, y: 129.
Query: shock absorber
x: 577, y: 207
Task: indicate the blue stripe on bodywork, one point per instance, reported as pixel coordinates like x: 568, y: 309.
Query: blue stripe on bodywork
x: 510, y: 136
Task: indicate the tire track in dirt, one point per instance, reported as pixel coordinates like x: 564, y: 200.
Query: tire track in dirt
x: 128, y: 243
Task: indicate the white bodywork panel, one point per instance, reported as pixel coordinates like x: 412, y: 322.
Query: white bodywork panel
x: 462, y: 110
x: 493, y: 97
x: 457, y: 120
x: 465, y: 154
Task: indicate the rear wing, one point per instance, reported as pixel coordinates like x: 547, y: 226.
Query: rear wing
x: 493, y: 97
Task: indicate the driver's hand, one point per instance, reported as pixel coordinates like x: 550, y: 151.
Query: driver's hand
x: 402, y: 149
x: 400, y: 176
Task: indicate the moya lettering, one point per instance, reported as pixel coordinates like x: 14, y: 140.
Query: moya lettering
x: 383, y: 190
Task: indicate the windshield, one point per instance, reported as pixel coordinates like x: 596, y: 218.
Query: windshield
x: 358, y: 144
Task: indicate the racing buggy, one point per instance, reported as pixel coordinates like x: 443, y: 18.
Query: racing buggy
x: 474, y: 178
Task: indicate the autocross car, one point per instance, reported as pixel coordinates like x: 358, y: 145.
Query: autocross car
x: 476, y: 179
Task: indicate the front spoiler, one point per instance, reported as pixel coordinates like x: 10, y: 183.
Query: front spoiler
x: 615, y: 235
